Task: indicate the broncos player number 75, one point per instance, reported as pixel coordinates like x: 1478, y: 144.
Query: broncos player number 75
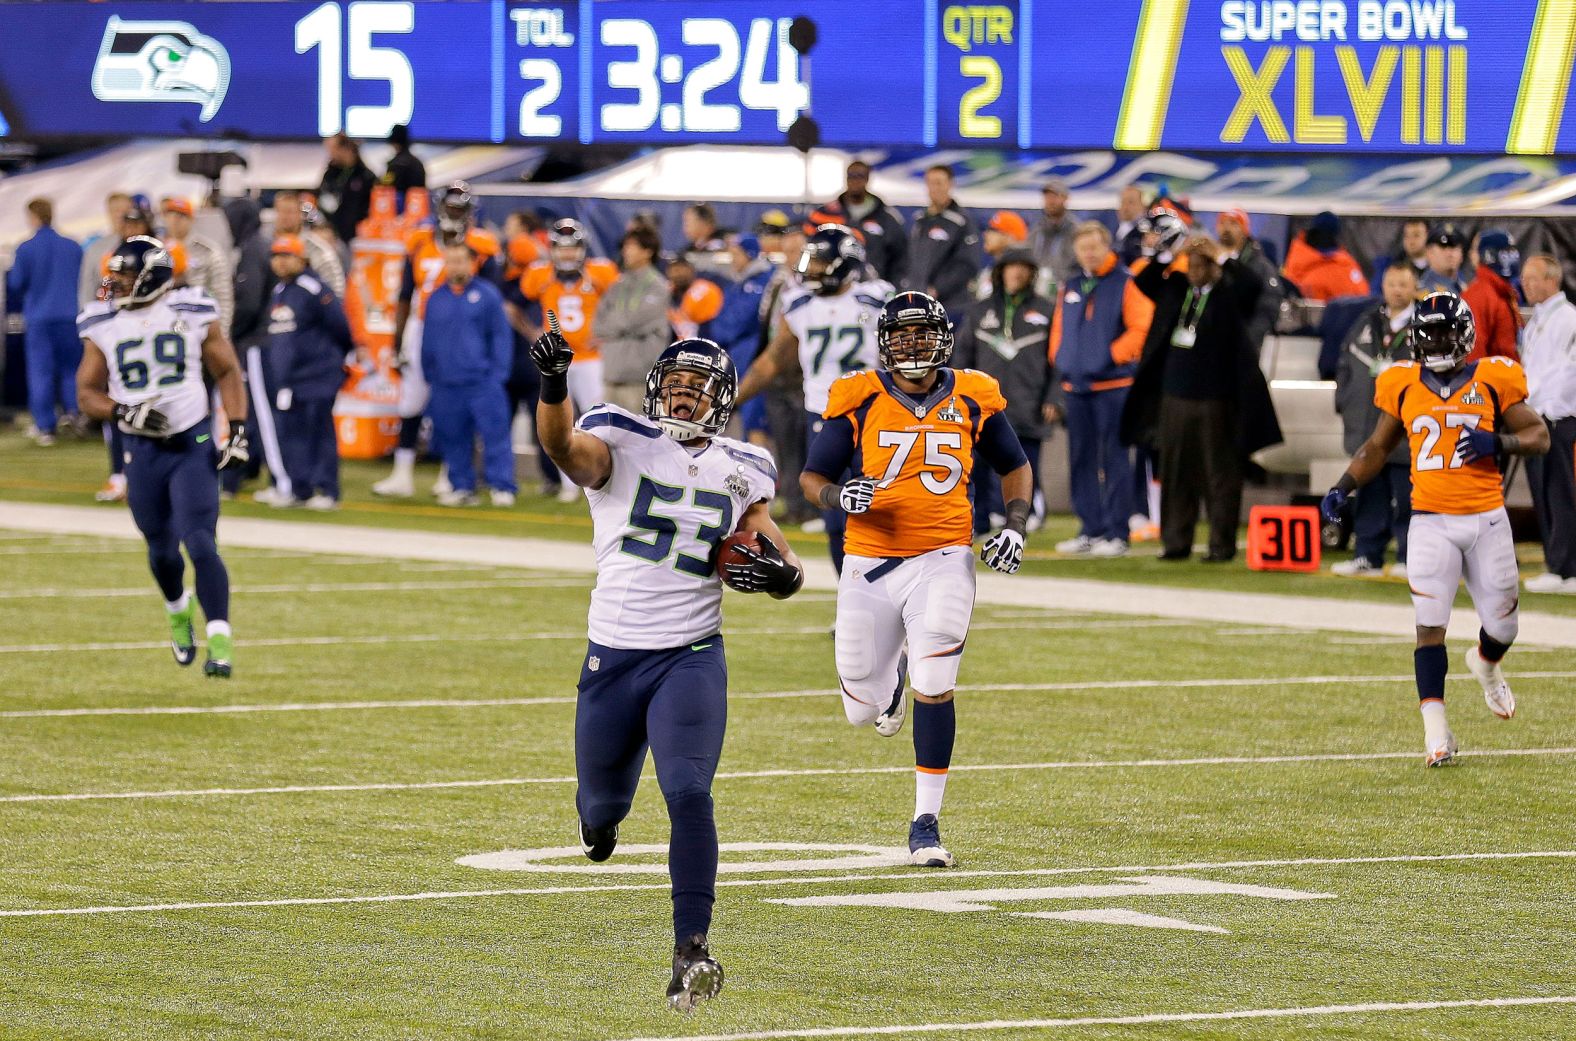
x: 665, y: 488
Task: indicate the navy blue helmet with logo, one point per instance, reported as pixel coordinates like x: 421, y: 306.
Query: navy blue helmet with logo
x: 695, y: 410
x: 913, y: 335
x: 841, y: 257
x: 138, y: 272
x: 567, y: 243
x: 1442, y: 332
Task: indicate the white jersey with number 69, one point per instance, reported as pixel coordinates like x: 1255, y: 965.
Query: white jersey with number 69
x: 837, y: 334
x: 154, y: 353
x: 656, y: 522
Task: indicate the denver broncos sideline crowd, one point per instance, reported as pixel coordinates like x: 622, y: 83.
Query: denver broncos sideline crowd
x: 1056, y: 307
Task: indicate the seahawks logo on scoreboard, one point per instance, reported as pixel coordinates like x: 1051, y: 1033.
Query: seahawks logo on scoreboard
x: 161, y: 61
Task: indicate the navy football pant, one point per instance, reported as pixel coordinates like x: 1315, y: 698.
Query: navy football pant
x: 675, y: 702
x: 172, y: 487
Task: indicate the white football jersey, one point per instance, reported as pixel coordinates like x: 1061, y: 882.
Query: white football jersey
x: 655, y: 523
x: 837, y: 334
x: 155, y: 352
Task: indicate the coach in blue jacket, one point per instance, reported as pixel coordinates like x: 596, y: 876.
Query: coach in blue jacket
x: 44, y: 278
x: 308, y: 338
x: 466, y: 354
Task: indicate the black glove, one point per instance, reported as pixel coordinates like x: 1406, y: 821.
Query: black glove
x: 144, y: 419
x: 767, y: 571
x: 551, y: 354
x: 236, y: 451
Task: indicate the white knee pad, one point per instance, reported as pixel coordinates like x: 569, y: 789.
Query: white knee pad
x: 860, y: 713
x: 948, y: 608
x: 855, y: 645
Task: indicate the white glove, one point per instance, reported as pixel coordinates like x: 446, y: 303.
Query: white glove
x: 856, y: 495
x: 1003, y: 551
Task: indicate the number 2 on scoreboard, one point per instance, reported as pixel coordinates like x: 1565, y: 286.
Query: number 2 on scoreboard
x: 970, y: 122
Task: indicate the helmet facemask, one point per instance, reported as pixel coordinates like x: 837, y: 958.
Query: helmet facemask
x: 129, y: 288
x: 1441, y: 347
x: 689, y: 401
x: 915, y: 349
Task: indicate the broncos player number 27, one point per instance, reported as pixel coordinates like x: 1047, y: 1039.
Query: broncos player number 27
x: 1456, y: 418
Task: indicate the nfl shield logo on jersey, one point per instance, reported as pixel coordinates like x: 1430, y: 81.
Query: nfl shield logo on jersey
x: 594, y: 663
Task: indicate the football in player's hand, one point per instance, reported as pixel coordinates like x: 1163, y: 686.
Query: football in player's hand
x: 729, y: 553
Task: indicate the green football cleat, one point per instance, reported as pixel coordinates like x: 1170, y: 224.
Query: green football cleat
x: 183, y: 638
x: 220, y: 650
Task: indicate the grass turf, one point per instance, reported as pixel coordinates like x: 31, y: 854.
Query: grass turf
x: 72, y: 470
x: 591, y: 964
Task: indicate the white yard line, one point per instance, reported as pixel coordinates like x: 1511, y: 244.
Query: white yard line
x: 1367, y: 1008
x: 151, y: 592
x: 746, y: 883
x: 740, y: 775
x: 388, y: 638
x: 761, y: 695
x: 1255, y: 609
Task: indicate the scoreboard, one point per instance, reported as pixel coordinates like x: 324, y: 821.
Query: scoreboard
x: 1384, y: 76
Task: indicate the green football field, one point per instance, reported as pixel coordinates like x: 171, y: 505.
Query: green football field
x: 1164, y: 829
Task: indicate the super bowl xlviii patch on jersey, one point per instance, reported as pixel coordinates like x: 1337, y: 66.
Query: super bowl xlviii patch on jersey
x: 179, y: 326
x: 737, y: 484
x: 1472, y: 397
x: 949, y: 413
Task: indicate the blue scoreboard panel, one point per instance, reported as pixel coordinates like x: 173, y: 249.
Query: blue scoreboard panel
x: 1388, y: 76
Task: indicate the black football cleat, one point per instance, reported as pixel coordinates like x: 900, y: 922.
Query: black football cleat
x: 697, y: 976
x: 598, y: 843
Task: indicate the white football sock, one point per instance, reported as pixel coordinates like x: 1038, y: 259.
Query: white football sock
x: 1435, y: 728
x: 177, y: 606
x: 404, y: 461
x: 928, y: 791
x: 218, y: 628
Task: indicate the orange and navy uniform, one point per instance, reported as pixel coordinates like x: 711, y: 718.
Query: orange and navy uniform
x: 921, y: 453
x: 522, y: 251
x: 573, y: 301
x: 1434, y: 423
x: 424, y: 263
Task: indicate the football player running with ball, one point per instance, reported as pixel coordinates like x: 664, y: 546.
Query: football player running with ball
x: 1457, y: 418
x: 909, y: 433
x: 664, y: 489
x: 145, y: 346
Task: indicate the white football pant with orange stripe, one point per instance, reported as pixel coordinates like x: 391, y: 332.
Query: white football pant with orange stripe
x: 925, y: 601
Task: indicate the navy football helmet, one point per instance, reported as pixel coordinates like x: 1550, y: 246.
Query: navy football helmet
x: 692, y: 410
x: 567, y: 246
x: 839, y: 256
x: 456, y: 211
x: 1442, y: 332
x: 1499, y: 253
x: 913, y: 335
x: 140, y: 271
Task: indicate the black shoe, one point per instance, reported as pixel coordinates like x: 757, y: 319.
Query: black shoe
x: 1219, y: 558
x: 598, y: 843
x: 1174, y: 554
x: 697, y: 976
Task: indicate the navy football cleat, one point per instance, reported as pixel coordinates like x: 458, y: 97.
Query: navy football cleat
x: 598, y: 843
x: 697, y: 976
x: 924, y: 843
